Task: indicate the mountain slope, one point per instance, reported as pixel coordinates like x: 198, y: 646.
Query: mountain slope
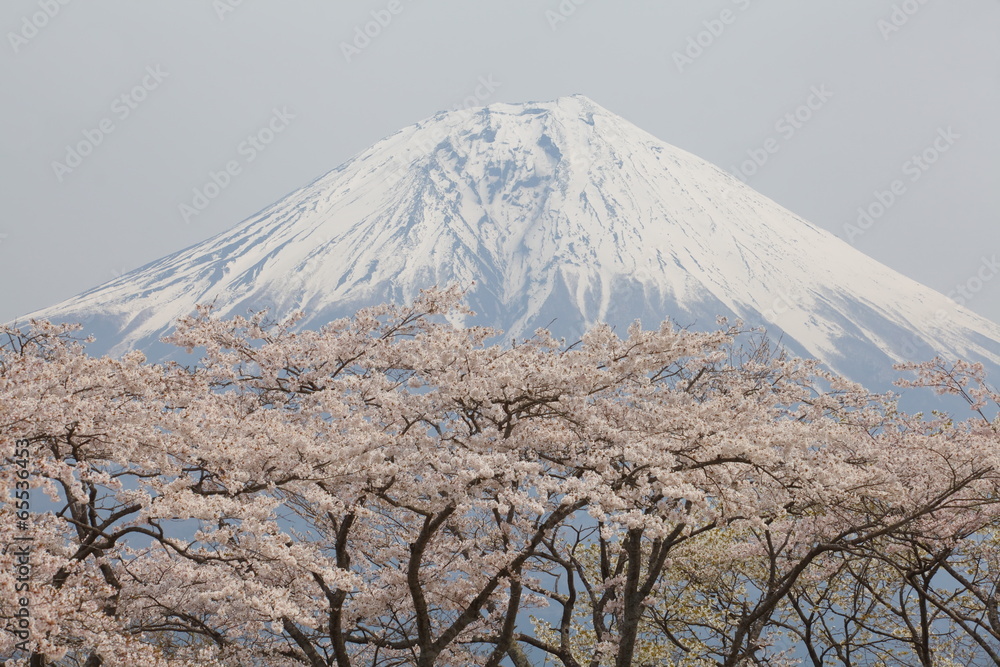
x: 562, y: 213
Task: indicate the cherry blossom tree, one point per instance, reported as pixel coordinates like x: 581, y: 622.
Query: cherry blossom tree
x: 393, y: 489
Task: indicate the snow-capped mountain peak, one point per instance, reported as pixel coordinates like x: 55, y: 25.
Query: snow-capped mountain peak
x: 557, y: 211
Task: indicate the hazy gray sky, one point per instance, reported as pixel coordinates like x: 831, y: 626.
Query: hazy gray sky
x: 115, y: 111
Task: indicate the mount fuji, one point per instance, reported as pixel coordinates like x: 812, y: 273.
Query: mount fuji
x: 558, y: 214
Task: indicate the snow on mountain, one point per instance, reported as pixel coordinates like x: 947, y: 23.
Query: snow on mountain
x: 562, y: 213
